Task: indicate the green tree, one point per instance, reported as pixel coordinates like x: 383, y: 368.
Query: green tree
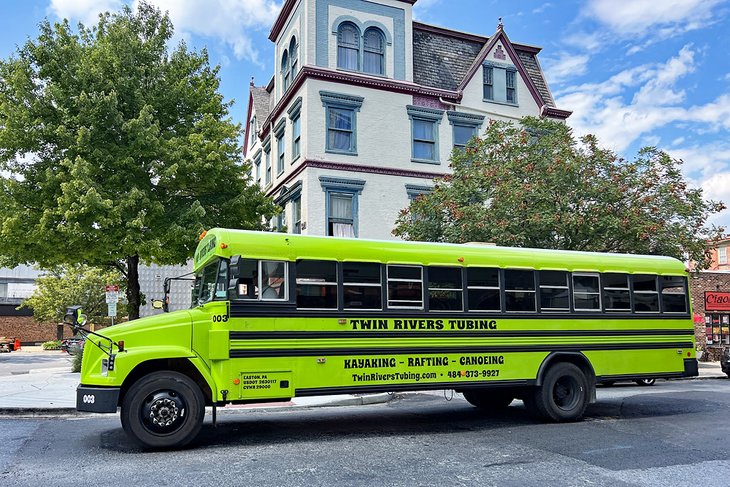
x: 535, y: 185
x: 73, y: 285
x: 118, y: 150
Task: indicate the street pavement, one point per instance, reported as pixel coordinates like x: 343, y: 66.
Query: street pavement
x: 39, y: 382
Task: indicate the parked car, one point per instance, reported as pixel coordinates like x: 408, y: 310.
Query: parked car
x: 725, y: 361
x: 642, y: 382
x: 72, y: 345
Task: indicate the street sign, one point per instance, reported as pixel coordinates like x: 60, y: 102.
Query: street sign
x: 112, y: 295
x: 112, y: 312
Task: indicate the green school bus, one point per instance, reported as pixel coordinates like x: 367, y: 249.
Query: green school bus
x: 276, y: 316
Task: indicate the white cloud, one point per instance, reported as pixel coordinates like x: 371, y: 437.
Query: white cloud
x: 634, y: 102
x: 565, y: 67
x: 650, y: 17
x: 225, y: 20
x: 84, y: 11
x: 542, y: 8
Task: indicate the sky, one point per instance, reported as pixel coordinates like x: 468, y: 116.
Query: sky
x: 634, y: 72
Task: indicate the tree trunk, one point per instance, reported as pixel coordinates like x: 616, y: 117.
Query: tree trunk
x: 133, y: 294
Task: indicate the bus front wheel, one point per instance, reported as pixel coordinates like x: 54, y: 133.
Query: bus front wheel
x: 163, y: 410
x: 492, y: 399
x: 563, y: 395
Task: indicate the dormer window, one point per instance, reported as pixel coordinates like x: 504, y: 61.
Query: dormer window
x: 348, y: 47
x: 285, y: 70
x: 374, y: 51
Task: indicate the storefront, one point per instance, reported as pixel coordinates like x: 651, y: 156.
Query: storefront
x: 717, y: 319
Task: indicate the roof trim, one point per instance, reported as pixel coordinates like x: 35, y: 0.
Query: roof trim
x: 552, y: 112
x: 246, y: 136
x: 437, y: 29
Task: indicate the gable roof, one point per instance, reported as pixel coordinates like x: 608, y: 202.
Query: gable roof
x: 447, y: 59
x: 261, y: 99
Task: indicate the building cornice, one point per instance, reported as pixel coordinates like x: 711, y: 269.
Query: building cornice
x: 552, y: 112
x: 355, y: 79
x: 340, y: 166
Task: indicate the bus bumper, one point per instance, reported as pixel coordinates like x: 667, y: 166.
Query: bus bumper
x: 97, y: 399
x: 691, y: 369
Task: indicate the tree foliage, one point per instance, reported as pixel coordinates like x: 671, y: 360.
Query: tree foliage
x: 73, y: 285
x: 535, y: 185
x: 118, y: 150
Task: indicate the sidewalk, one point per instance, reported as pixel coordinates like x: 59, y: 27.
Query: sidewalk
x: 53, y: 391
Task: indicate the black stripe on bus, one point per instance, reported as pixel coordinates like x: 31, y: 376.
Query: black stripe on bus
x: 311, y: 352
x: 424, y: 386
x: 314, y: 335
x: 286, y: 310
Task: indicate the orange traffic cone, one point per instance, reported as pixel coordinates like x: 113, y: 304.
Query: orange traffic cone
x: 17, y: 344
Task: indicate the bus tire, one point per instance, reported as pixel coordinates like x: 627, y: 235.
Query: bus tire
x: 645, y: 382
x: 563, y: 395
x: 163, y: 410
x: 491, y: 399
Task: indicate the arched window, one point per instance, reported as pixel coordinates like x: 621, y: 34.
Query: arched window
x: 374, y: 51
x: 348, y: 46
x: 285, y: 70
x: 293, y: 56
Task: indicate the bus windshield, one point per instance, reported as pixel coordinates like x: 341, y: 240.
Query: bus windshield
x: 211, y: 283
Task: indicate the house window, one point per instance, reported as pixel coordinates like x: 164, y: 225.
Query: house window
x: 462, y: 135
x: 252, y: 131
x: 488, y: 83
x: 374, y: 51
x: 722, y: 255
x: 267, y: 161
x: 257, y: 168
x: 424, y: 139
x: 341, y: 217
x: 285, y: 70
x: 348, y: 47
x: 293, y: 60
x: 296, y: 137
x: 280, y: 153
x: 511, y: 86
x: 341, y: 205
x: 424, y: 133
x: 341, y: 121
x: 296, y: 215
x: 280, y: 222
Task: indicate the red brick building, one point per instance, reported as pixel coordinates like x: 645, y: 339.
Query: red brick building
x: 720, y: 252
x: 711, y: 305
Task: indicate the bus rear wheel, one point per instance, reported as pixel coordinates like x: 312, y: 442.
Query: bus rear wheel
x: 563, y: 395
x: 490, y: 399
x: 163, y: 410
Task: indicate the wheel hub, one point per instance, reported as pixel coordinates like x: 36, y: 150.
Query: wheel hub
x: 163, y: 410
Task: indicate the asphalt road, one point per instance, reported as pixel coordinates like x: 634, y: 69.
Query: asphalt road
x: 15, y: 363
x: 675, y: 433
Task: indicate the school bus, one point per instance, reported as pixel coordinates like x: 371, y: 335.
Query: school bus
x: 276, y: 316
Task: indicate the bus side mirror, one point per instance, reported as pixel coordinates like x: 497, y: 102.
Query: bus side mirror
x: 234, y: 272
x: 74, y: 317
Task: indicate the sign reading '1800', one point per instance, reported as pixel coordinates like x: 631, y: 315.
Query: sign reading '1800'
x: 717, y: 301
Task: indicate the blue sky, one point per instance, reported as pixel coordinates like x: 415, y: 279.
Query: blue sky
x: 634, y: 72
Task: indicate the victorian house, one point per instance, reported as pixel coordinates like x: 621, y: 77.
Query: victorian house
x: 366, y: 106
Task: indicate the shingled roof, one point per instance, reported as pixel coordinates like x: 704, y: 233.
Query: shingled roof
x: 261, y: 103
x: 442, y: 58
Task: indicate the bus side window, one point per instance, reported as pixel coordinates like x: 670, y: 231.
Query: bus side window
x: 674, y: 292
x: 616, y: 292
x: 586, y: 292
x: 362, y: 285
x: 405, y: 286
x: 482, y: 284
x: 445, y: 289
x: 248, y: 286
x: 519, y: 290
x: 554, y: 292
x: 316, y: 284
x: 273, y: 280
x: 646, y: 296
